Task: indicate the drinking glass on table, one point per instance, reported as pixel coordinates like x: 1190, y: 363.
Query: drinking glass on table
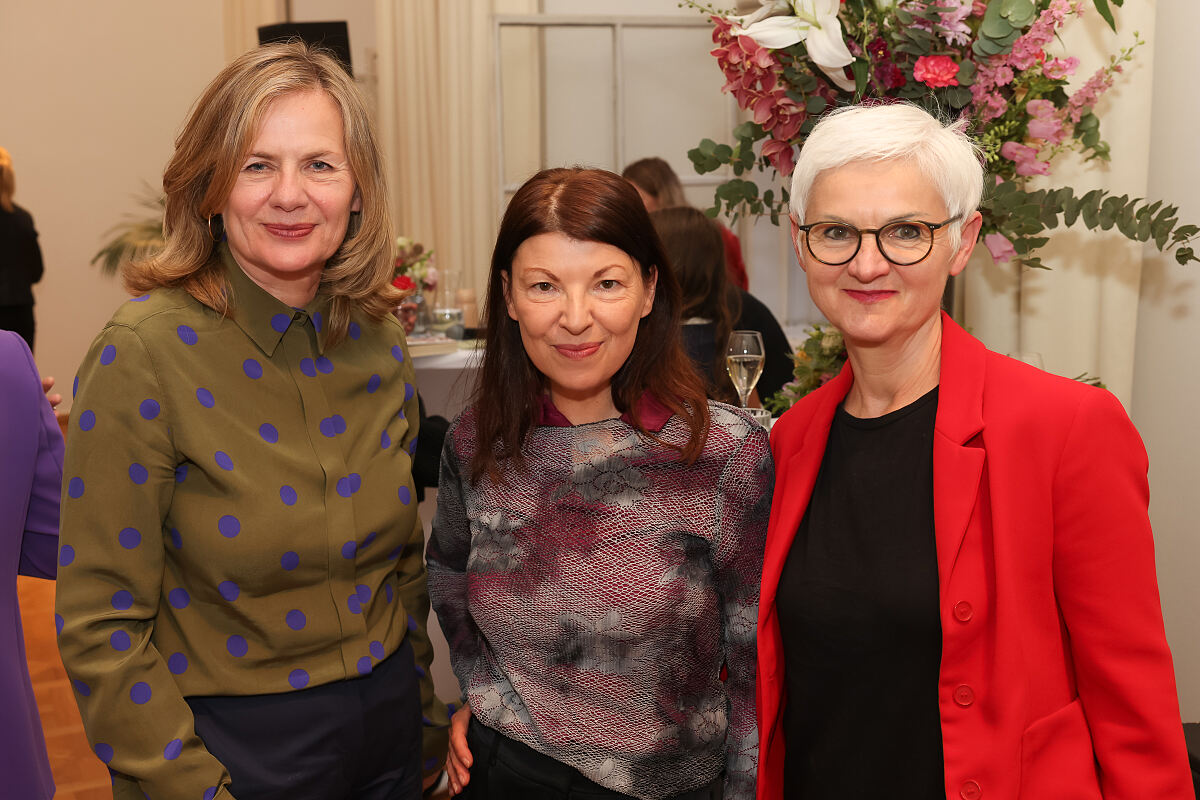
x: 744, y: 360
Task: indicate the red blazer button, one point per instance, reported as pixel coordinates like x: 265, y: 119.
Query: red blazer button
x: 970, y: 791
x: 964, y: 695
x: 963, y: 611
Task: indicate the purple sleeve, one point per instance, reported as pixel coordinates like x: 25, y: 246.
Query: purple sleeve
x: 39, y: 544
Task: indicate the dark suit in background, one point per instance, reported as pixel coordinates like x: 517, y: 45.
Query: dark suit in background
x: 20, y: 268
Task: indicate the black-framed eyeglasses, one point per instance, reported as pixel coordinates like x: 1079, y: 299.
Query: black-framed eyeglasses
x: 903, y: 243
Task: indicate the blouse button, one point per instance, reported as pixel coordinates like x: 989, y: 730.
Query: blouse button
x: 963, y: 611
x: 964, y: 695
x: 970, y: 791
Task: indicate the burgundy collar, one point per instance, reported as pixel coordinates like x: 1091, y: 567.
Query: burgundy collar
x: 654, y: 414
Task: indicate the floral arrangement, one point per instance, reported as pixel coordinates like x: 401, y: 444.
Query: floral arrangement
x: 818, y: 358
x: 414, y: 267
x: 986, y: 60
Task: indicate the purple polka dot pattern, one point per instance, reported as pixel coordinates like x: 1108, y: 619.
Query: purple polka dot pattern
x: 138, y: 474
x: 87, y: 420
x: 290, y: 560
x: 354, y: 604
x: 268, y: 432
x: 252, y: 368
x: 181, y: 473
x: 82, y: 688
x: 296, y: 620
x: 129, y: 538
x: 350, y: 484
x: 349, y: 549
x: 355, y: 330
x: 122, y: 600
x: 412, y: 624
x: 236, y: 645
x: 373, y: 384
x: 139, y: 299
x: 75, y: 487
x: 177, y: 663
x: 366, y: 542
x: 405, y: 495
x: 120, y: 641
x: 388, y: 593
x: 187, y: 335
x: 324, y: 365
x: 229, y: 526
x: 280, y: 322
x: 108, y: 354
x: 298, y: 678
x: 66, y: 555
x: 176, y: 538
x: 58, y: 623
x: 332, y: 426
x: 229, y: 590
x: 205, y: 398
x: 149, y: 409
x: 104, y: 752
x: 363, y: 591
x: 308, y: 367
x: 376, y: 649
x: 318, y: 321
x: 223, y: 460
x: 288, y: 495
x: 409, y: 391
x: 75, y: 386
x: 173, y: 750
x: 398, y: 353
x: 209, y: 793
x: 178, y: 597
x: 364, y: 665
x: 140, y: 693
x: 421, y: 672
x: 412, y: 447
x: 395, y: 553
x: 385, y: 441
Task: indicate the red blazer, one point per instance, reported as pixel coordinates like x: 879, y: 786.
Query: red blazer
x: 1056, y: 682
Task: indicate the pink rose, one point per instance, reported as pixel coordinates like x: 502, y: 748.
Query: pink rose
x: 1000, y: 247
x: 936, y: 71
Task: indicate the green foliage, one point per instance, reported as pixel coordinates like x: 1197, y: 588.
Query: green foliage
x: 135, y: 237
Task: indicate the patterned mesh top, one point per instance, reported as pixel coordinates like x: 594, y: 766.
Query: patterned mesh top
x: 592, y: 599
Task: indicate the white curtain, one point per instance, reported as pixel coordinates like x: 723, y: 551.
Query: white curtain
x: 1081, y: 316
x: 242, y: 19
x: 437, y: 120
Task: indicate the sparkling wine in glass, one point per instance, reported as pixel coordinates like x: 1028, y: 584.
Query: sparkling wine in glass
x: 744, y: 360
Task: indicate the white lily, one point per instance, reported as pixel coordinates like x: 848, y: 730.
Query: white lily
x: 814, y: 22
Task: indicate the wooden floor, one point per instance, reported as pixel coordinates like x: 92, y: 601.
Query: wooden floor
x: 78, y: 774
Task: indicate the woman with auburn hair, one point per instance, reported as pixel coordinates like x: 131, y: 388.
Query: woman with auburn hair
x: 595, y: 553
x: 242, y: 598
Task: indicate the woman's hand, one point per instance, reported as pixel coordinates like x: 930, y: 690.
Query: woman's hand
x: 458, y: 760
x: 56, y: 398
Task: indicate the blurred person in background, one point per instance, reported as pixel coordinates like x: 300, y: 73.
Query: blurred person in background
x: 20, y: 258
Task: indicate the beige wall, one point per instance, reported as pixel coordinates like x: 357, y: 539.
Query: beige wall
x: 93, y: 96
x: 1166, y: 381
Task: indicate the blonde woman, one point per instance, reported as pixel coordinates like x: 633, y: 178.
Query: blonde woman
x: 242, y: 600
x: 20, y: 258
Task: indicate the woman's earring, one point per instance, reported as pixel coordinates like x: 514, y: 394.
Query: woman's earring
x: 220, y: 234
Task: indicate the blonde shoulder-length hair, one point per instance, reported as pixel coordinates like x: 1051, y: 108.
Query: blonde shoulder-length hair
x: 217, y: 136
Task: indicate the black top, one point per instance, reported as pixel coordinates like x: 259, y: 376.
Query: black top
x: 20, y: 257
x: 699, y: 340
x: 858, y: 614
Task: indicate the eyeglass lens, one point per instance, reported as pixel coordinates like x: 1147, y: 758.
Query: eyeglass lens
x: 902, y: 243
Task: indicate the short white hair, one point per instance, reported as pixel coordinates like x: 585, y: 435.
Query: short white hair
x: 944, y: 153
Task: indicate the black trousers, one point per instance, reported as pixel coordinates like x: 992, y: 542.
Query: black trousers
x: 358, y: 739
x: 20, y: 320
x: 505, y: 769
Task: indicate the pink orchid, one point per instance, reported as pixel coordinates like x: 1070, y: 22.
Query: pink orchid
x: 1047, y: 122
x: 1025, y: 157
x: 1000, y: 247
x: 781, y: 155
x: 1057, y: 69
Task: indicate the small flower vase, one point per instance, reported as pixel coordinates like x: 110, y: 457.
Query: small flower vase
x: 414, y: 314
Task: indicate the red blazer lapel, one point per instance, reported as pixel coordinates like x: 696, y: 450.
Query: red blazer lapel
x: 958, y: 453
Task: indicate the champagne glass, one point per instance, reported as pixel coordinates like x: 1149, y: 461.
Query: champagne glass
x: 744, y: 360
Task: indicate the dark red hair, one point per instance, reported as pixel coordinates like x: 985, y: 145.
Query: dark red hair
x: 587, y: 205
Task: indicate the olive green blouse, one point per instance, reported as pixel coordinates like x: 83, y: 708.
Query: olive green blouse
x: 238, y: 518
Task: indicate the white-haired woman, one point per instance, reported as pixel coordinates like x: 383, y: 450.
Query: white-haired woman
x: 959, y: 596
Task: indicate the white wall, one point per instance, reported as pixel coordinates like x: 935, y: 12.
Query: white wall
x: 1167, y: 371
x: 93, y: 96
